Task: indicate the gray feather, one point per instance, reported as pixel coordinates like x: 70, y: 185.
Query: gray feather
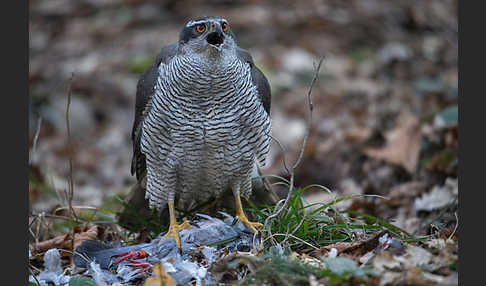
x: 258, y: 78
x: 145, y: 92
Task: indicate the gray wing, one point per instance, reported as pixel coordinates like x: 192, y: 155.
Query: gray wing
x: 259, y: 80
x: 145, y: 91
x: 262, y: 190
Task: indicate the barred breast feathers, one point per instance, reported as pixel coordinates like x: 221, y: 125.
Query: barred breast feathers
x: 201, y: 116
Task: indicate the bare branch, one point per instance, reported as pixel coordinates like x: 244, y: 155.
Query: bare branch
x: 33, y: 275
x: 294, y: 237
x: 455, y: 228
x: 301, y: 153
x: 70, y: 193
x: 36, y: 137
x: 296, y: 228
x: 309, y: 118
x: 283, y: 151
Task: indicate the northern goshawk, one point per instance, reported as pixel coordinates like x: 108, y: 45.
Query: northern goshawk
x: 202, y: 122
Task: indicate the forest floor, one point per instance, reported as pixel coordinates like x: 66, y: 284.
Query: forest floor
x: 384, y: 136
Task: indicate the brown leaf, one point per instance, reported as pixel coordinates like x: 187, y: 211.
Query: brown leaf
x: 340, y: 247
x: 404, y: 194
x: 415, y: 277
x: 353, y: 250
x: 385, y: 261
x: 160, y: 278
x: 91, y: 233
x: 402, y: 145
x: 65, y: 241
x: 415, y: 256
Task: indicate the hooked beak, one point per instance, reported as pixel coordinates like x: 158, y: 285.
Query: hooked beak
x: 216, y: 36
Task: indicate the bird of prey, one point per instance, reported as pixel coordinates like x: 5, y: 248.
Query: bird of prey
x: 202, y: 122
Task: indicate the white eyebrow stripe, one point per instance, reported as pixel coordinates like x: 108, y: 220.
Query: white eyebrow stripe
x: 193, y: 22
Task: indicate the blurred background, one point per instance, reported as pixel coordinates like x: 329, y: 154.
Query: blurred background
x: 385, y: 105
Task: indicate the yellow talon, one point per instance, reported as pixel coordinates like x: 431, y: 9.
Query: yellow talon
x: 174, y: 227
x: 251, y: 225
x: 240, y: 215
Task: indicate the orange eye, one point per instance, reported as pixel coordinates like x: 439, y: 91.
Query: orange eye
x: 224, y: 26
x: 200, y: 28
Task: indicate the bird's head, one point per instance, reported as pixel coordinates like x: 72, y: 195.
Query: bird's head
x: 208, y: 36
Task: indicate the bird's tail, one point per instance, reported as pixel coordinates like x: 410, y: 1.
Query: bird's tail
x: 136, y: 213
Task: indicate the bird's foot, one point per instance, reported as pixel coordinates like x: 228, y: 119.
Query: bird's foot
x: 129, y: 255
x: 174, y: 232
x: 144, y: 266
x: 251, y: 225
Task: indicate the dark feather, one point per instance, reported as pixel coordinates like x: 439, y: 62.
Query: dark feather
x: 258, y: 78
x: 145, y: 91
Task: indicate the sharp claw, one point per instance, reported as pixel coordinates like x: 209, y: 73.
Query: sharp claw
x: 139, y: 264
x: 174, y: 232
x: 135, y: 263
x: 251, y: 225
x: 194, y: 224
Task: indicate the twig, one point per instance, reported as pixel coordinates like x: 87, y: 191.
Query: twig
x: 82, y: 255
x: 70, y: 193
x: 36, y: 137
x: 38, y: 226
x: 309, y: 119
x: 33, y: 267
x: 75, y: 207
x: 32, y: 233
x: 33, y: 275
x: 296, y: 228
x: 294, y: 237
x: 455, y: 228
x: 283, y: 151
x: 67, y: 218
x: 301, y: 153
x: 375, y: 196
x: 63, y: 241
x: 34, y: 218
